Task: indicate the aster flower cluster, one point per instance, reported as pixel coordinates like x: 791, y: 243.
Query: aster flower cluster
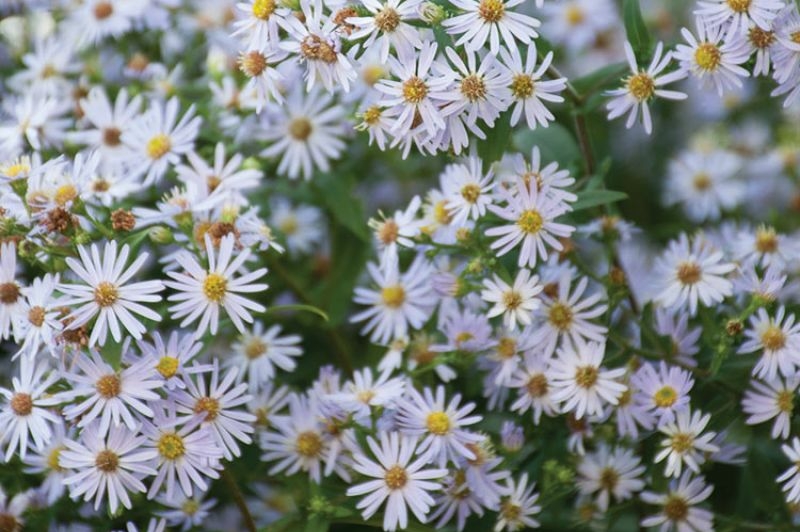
x: 553, y: 319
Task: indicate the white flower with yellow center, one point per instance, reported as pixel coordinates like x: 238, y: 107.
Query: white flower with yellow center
x: 663, y: 391
x: 518, y: 506
x: 385, y: 27
x: 490, y: 20
x: 610, y: 473
x: 158, y: 139
x: 439, y: 424
x: 397, y: 478
x: 258, y: 352
x: 528, y: 89
x: 739, y: 16
x: 108, y: 295
x: 580, y: 383
x: 106, y: 466
x: 202, y: 292
x: 260, y: 21
x: 12, y: 302
x: 778, y: 339
x: 533, y: 224
x: 678, y: 511
x: 642, y: 86
x: 686, y: 443
x: 171, y: 358
x: 516, y: 302
x: 258, y: 64
x: 467, y: 189
x: 772, y: 399
x: 402, y: 301
x: 711, y: 60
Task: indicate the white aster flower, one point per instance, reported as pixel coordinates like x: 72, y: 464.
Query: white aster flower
x: 529, y: 90
x: 467, y: 190
x: 771, y: 399
x: 516, y: 303
x: 686, y: 442
x: 203, y: 291
x: 489, y: 20
x: 678, y: 512
x: 778, y: 339
x: 385, y: 27
x: 404, y: 483
x: 518, y: 506
x: 610, y: 473
x: 663, y: 391
x: 738, y: 16
x: 108, y: 295
x: 642, y: 86
x: 258, y: 352
x: 395, y: 231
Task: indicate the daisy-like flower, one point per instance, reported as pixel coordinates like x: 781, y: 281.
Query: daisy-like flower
x: 693, y: 272
x: 364, y: 392
x: 94, y: 20
x: 685, y: 442
x: 765, y: 247
x: 738, y: 16
x: 395, y: 477
x: 11, y: 299
x: 705, y: 184
x: 417, y: 93
x: 565, y: 313
x: 218, y: 405
x: 467, y: 190
x: 778, y: 339
x: 580, y: 383
x: 515, y: 303
x: 301, y: 225
x: 39, y: 325
x: 547, y: 178
x: 440, y: 425
x: 762, y: 42
x: 186, y: 512
x: 171, y: 359
x: 109, y: 394
x: 532, y: 215
x: 202, y: 291
x: 684, y: 340
x: 25, y: 416
x: 772, y: 399
x: 108, y: 123
x: 402, y: 301
x: 317, y: 43
x: 111, y: 465
x: 307, y: 131
x: 678, y: 512
x: 385, y: 28
x: 395, y: 231
x: 663, y: 391
x: 489, y: 20
x: 791, y: 477
x: 528, y: 90
x: 533, y: 381
x: 518, y: 506
x: 158, y: 139
x: 258, y: 352
x: 260, y: 23
x: 107, y: 294
x: 45, y: 462
x: 642, y: 86
x: 610, y: 473
x: 258, y: 64
x: 711, y: 60
x: 186, y: 453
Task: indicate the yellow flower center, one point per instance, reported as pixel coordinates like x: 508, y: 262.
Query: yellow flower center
x: 158, y: 146
x: 739, y: 6
x: 215, y: 287
x: 537, y: 385
x: 689, y: 273
x: 372, y: 115
x: 65, y: 193
x: 522, y: 86
x: 665, y: 396
x: 510, y: 512
x: 106, y: 461
x: 388, y: 231
x: 682, y: 442
x: 171, y: 446
x: 761, y: 39
x: 414, y: 90
x: 438, y: 423
x: 36, y: 316
x: 491, y: 11
x: 766, y: 240
x: 773, y: 338
x: 471, y: 192
x: 52, y: 458
x: 108, y: 386
x: 105, y: 294
x: 609, y: 478
x: 586, y: 376
x: 308, y: 444
x: 15, y: 170
x: 393, y: 296
x: 289, y: 225
x: 574, y: 14
x: 396, y: 477
x: 167, y: 366
x: 441, y: 214
x: 701, y: 181
x: 255, y: 348
x: 560, y: 316
x: 530, y: 222
x: 512, y: 300
x: 253, y: 63
x: 676, y: 508
x: 262, y: 9
x: 209, y: 405
x: 506, y: 347
x: 641, y: 86
x: 190, y: 507
x: 785, y: 401
x: 300, y: 128
x: 708, y: 56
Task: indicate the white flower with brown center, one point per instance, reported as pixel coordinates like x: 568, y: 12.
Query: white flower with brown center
x: 394, y: 476
x: 678, y: 511
x: 11, y: 301
x: 516, y: 302
x: 386, y: 27
x: 107, y: 293
x: 203, y: 292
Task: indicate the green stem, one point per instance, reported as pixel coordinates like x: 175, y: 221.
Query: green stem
x: 238, y: 498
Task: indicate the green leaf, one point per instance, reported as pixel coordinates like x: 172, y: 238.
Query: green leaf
x: 593, y: 198
x: 555, y: 142
x: 598, y: 79
x: 317, y: 523
x: 496, y: 143
x: 300, y: 307
x: 635, y: 27
x: 338, y: 194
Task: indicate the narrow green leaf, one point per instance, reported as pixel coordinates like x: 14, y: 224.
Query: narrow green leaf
x: 338, y: 195
x: 635, y: 27
x: 600, y: 78
x: 300, y: 307
x: 594, y: 198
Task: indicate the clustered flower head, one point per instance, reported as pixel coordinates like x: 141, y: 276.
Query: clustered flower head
x: 551, y: 320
